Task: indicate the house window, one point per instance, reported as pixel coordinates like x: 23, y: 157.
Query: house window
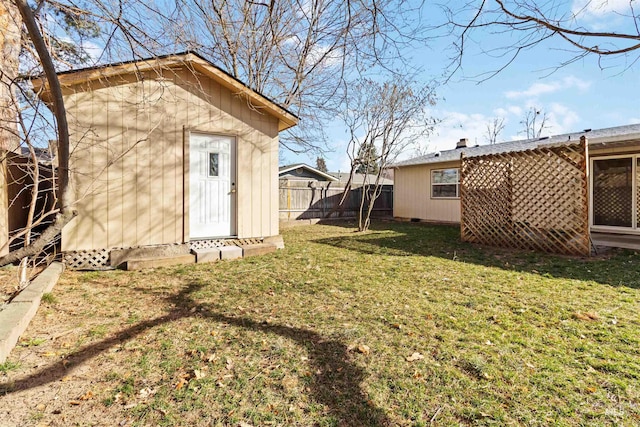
x: 213, y: 164
x: 445, y: 183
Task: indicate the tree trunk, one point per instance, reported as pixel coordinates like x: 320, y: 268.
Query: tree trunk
x: 10, y: 24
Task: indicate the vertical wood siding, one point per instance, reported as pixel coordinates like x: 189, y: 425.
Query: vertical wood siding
x: 412, y: 195
x: 127, y: 158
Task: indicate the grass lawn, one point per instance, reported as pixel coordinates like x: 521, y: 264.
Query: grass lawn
x: 403, y: 325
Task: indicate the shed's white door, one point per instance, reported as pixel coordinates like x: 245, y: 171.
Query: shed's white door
x: 211, y: 186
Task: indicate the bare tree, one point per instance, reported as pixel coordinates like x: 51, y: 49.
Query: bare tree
x: 534, y: 123
x: 494, y: 129
x: 524, y: 24
x: 388, y: 116
x: 300, y: 53
x: 39, y: 39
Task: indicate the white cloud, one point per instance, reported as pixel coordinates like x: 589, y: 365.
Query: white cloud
x: 537, y: 89
x: 561, y: 119
x: 599, y: 7
x: 455, y: 126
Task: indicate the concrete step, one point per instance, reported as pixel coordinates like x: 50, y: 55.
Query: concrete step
x: 161, y: 261
x: 257, y: 249
x: 121, y: 256
x: 206, y: 255
x: 230, y: 252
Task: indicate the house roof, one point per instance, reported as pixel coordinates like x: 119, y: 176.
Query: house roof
x: 595, y: 138
x: 192, y: 59
x: 283, y: 170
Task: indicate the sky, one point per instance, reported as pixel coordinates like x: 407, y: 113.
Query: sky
x: 586, y: 94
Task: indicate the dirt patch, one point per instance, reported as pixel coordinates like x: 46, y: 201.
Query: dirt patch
x: 8, y: 282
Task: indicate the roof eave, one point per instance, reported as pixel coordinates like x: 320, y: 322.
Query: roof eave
x: 256, y: 100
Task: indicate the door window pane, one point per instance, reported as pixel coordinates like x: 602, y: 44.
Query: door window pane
x: 213, y: 164
x: 613, y: 192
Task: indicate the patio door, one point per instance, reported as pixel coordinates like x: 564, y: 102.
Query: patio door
x: 212, y: 189
x: 614, y: 202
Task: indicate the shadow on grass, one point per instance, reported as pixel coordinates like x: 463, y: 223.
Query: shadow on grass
x: 336, y: 383
x: 616, y: 268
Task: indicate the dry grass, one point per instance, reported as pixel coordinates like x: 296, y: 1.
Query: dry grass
x: 403, y: 325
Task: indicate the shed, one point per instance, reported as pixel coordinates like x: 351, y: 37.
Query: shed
x: 607, y: 170
x: 304, y: 172
x: 168, y: 151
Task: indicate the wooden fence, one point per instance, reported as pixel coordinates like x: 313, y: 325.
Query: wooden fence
x: 317, y: 199
x: 534, y: 199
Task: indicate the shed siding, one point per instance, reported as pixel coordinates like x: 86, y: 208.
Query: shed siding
x: 412, y: 195
x: 127, y: 162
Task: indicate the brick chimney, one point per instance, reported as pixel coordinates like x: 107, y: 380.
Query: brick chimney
x: 462, y: 143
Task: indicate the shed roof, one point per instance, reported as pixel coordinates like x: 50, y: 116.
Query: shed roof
x: 595, y: 137
x: 288, y: 168
x: 194, y: 60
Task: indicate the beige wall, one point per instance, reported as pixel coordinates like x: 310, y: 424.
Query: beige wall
x: 4, y: 205
x: 129, y: 158
x: 412, y: 195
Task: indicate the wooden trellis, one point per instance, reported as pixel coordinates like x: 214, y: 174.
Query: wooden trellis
x: 535, y: 199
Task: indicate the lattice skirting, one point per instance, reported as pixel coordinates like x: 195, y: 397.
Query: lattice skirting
x: 87, y: 260
x: 98, y: 259
x: 217, y: 243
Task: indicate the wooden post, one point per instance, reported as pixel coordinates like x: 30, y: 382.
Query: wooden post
x: 288, y: 201
x: 462, y: 191
x: 586, y: 232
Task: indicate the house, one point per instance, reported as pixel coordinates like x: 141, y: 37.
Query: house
x: 547, y: 193
x: 303, y: 172
x: 167, y: 152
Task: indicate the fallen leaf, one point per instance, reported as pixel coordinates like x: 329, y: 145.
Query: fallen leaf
x: 586, y: 316
x: 229, y: 364
x: 198, y: 374
x: 415, y: 356
x: 75, y: 402
x: 181, y: 383
x: 364, y: 349
x: 88, y: 395
x: 591, y: 389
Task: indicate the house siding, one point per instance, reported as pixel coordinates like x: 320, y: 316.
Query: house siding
x: 412, y: 190
x: 412, y: 195
x: 129, y: 163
